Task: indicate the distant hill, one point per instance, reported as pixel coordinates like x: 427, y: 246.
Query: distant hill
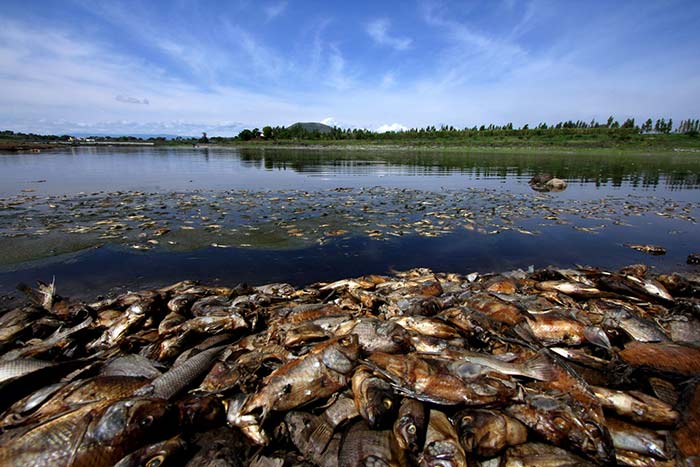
x: 313, y: 126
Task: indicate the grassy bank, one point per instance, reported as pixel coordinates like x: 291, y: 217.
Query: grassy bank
x: 591, y: 143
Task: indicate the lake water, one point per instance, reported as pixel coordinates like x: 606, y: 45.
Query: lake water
x: 101, y: 219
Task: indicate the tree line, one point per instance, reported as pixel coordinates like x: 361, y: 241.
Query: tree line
x: 611, y: 127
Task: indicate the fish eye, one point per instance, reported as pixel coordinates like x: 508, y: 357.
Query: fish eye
x: 560, y: 423
x: 467, y: 419
x: 411, y: 429
x: 146, y: 421
x: 345, y: 341
x: 156, y: 461
x: 387, y: 403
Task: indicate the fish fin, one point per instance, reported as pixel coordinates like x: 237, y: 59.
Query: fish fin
x: 541, y: 368
x: 524, y: 332
x: 321, y: 436
x: 32, y: 294
x: 596, y: 336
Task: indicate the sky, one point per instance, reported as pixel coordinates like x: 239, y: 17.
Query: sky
x: 183, y: 67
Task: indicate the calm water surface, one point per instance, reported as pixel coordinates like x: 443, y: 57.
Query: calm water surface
x: 611, y: 200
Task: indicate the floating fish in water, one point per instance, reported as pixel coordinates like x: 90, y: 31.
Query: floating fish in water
x: 650, y: 249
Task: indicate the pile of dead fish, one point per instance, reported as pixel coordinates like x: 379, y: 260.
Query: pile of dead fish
x: 554, y: 367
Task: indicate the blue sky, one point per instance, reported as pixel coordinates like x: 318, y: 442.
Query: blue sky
x: 182, y: 67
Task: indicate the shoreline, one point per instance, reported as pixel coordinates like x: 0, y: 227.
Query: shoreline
x: 343, y: 146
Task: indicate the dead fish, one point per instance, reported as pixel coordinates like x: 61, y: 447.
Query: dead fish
x: 200, y: 413
x: 410, y: 426
x: 574, y: 289
x: 637, y: 406
x: 160, y: 454
x: 363, y: 446
x: 320, y: 373
x: 96, y: 434
x: 179, y: 377
x: 43, y: 295
x: 212, y: 323
x: 664, y: 390
x: 540, y: 368
x: 553, y: 329
x: 58, y: 340
x: 686, y: 435
x: 631, y: 285
x: 131, y: 365
x: 428, y: 382
x: 635, y: 459
x: 171, y: 320
x: 79, y: 393
x: 426, y: 326
x: 487, y: 432
x: 247, y: 423
x: 541, y: 455
x: 641, y: 440
x: 639, y: 329
x: 679, y: 285
x: 496, y: 309
x: 650, y: 249
x: 312, y: 437
x: 556, y: 420
x: 13, y: 369
x: 375, y: 335
x: 442, y: 446
x: 374, y: 397
x: 582, y: 357
x: 663, y: 357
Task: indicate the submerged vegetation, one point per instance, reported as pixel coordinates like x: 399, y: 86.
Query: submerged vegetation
x: 658, y: 135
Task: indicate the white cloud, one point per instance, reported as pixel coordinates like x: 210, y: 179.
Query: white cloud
x: 391, y: 127
x: 388, y: 80
x: 330, y: 121
x: 378, y: 30
x: 276, y: 9
x: 130, y: 100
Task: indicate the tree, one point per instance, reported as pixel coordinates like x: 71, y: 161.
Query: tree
x: 245, y: 135
x: 267, y: 132
x: 204, y: 138
x: 611, y: 120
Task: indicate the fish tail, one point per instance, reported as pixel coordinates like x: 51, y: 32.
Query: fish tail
x: 596, y: 336
x: 541, y: 368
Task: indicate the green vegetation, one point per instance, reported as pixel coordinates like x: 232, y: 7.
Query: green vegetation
x: 659, y: 135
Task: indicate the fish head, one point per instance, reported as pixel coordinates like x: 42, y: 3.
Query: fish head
x: 558, y: 420
x: 442, y: 454
x: 342, y: 355
x: 130, y: 419
x: 409, y: 428
x: 380, y: 405
x: 480, y: 429
x: 395, y: 333
x: 201, y: 413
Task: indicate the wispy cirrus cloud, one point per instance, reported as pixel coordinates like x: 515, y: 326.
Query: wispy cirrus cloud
x: 130, y: 100
x: 90, y: 64
x: 378, y: 30
x: 276, y: 9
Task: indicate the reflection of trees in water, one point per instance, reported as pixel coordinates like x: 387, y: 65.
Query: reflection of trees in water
x: 674, y: 172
